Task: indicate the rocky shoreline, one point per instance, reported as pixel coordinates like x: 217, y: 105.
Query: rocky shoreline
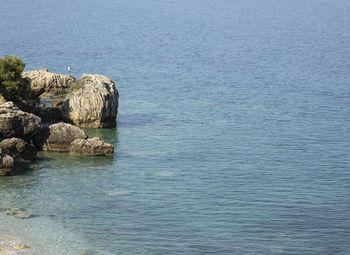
x: 91, y: 101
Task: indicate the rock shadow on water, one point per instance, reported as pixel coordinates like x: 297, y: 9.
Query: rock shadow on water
x: 23, y: 168
x: 110, y: 135
x: 63, y: 160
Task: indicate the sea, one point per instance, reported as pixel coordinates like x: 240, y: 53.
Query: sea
x: 233, y: 132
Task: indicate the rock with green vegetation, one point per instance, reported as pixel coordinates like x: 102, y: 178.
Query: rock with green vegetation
x: 93, y: 103
x: 17, y: 123
x: 58, y: 137
x: 92, y: 147
x: 13, y: 87
x: 18, y: 149
x: 43, y: 83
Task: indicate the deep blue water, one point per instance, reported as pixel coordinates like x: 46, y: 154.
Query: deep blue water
x: 233, y: 130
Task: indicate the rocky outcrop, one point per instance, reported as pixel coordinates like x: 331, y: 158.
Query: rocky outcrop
x: 44, y: 83
x: 16, y: 123
x: 18, y: 149
x: 58, y: 137
x: 6, y: 163
x: 94, y: 103
x: 92, y: 147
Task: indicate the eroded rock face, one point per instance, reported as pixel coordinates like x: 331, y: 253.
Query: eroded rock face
x: 18, y: 149
x: 16, y: 123
x: 44, y: 83
x: 92, y: 147
x: 58, y: 137
x: 6, y: 163
x: 94, y: 104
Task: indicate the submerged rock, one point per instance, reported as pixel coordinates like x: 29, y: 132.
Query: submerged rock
x: 93, y: 147
x: 17, y: 123
x: 58, y: 137
x: 19, y: 213
x: 20, y: 246
x: 44, y: 83
x: 15, y: 209
x: 23, y: 215
x: 18, y: 149
x: 93, y: 104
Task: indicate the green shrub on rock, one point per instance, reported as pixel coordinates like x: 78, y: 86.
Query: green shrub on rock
x: 12, y: 86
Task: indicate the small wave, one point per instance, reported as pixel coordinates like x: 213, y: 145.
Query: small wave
x: 165, y: 174
x: 116, y: 192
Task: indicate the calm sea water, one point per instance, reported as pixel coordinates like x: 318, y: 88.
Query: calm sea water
x: 233, y: 130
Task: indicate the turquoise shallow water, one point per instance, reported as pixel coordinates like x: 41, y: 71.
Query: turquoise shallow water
x: 233, y: 130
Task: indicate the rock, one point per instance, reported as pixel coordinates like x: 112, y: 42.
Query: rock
x: 18, y: 149
x: 23, y: 215
x: 2, y: 99
x: 92, y: 147
x: 44, y: 83
x: 6, y: 164
x: 15, y: 209
x: 93, y: 104
x: 17, y: 123
x: 20, y: 246
x: 58, y: 137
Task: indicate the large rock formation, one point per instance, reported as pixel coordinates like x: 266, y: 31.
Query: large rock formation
x: 44, y: 83
x: 93, y: 104
x: 58, y: 137
x: 18, y: 149
x: 6, y: 163
x: 16, y: 123
x: 92, y: 147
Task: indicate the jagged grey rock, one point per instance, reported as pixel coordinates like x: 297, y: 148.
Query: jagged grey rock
x: 58, y: 137
x: 44, y: 83
x: 93, y: 147
x: 18, y: 149
x: 93, y: 104
x: 17, y: 123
